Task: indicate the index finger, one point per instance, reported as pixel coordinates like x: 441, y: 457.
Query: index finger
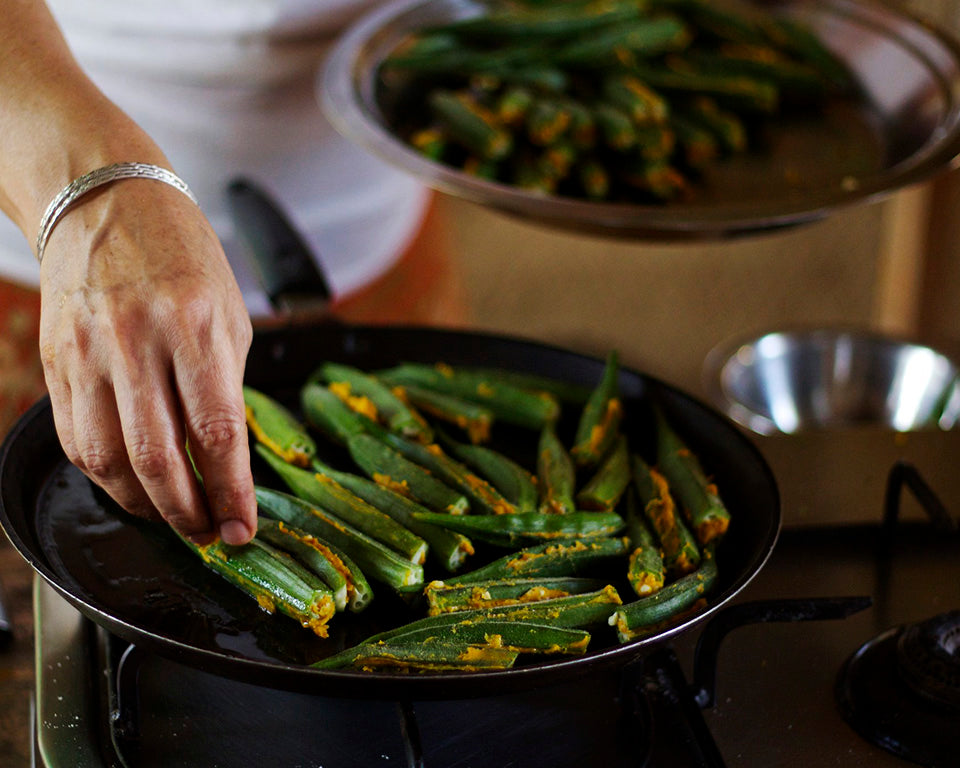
x: 211, y: 397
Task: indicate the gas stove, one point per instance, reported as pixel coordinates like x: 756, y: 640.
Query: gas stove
x: 844, y: 650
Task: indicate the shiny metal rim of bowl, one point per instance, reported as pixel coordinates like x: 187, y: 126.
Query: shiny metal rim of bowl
x: 792, y: 381
x: 909, y: 71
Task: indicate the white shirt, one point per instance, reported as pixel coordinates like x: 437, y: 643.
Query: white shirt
x: 226, y: 88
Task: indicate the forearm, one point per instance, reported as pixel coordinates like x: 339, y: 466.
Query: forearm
x: 55, y: 124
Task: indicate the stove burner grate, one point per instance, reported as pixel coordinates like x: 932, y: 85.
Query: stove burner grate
x: 928, y: 658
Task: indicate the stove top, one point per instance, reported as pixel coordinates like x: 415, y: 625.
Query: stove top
x: 769, y: 692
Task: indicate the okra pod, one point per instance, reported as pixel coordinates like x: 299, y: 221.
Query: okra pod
x: 375, y: 560
x: 567, y: 558
x: 476, y: 420
x: 272, y: 580
x: 599, y: 423
x: 655, y: 142
x: 607, y: 485
x: 432, y: 142
x: 514, y: 104
x: 658, y: 178
x: 529, y: 26
x: 447, y: 598
x: 386, y: 466
x: 470, y: 124
x: 697, y: 495
x: 765, y: 63
x: 519, y: 636
x: 546, y: 121
x: 391, y: 409
x: 327, y: 493
x: 648, y: 614
x: 556, y: 474
x: 616, y: 127
x: 699, y: 145
x: 516, y: 484
x: 680, y: 551
x: 645, y: 569
x: 557, y: 388
x: 512, y: 404
x: 449, y: 548
x: 311, y: 552
x: 434, y: 656
x: 274, y: 426
x: 727, y: 127
x: 526, y: 527
x: 635, y: 97
x: 799, y: 40
x: 329, y: 414
x: 746, y: 94
x: 644, y: 38
x: 728, y: 20
x: 594, y: 179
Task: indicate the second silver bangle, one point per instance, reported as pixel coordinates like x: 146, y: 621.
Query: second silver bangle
x: 80, y: 186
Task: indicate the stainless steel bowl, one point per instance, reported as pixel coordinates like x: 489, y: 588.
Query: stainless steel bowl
x: 793, y: 381
x: 905, y: 128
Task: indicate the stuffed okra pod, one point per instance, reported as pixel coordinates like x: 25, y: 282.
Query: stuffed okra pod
x: 328, y: 494
x: 607, y: 485
x: 698, y: 497
x: 430, y: 656
x: 600, y: 419
x: 526, y: 527
x: 645, y: 569
x: 680, y: 551
x: 512, y: 404
x: 273, y: 579
x: 276, y: 427
x: 449, y: 548
x: 571, y: 558
x: 391, y: 469
x: 648, y: 614
x: 376, y: 560
x: 556, y: 474
x: 472, y: 418
x: 516, y: 484
x: 398, y: 416
x: 329, y: 414
x: 447, y: 598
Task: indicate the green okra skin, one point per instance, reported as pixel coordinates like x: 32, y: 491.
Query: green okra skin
x: 646, y: 37
x: 432, y: 656
x: 594, y: 179
x: 528, y: 174
x: 608, y: 484
x: 558, y: 389
x: 646, y: 571
x: 449, y: 548
x: 583, y: 126
x: 516, y: 484
x: 274, y: 426
x: 726, y: 126
x: 798, y: 40
x: 470, y: 124
x: 519, y: 636
x: 730, y: 20
x: 482, y: 169
x: 272, y: 580
x: 541, y: 25
x: 700, y: 147
x: 432, y: 142
x: 635, y: 97
x: 599, y: 423
x: 482, y: 496
x: 389, y: 468
x: 655, y: 142
x: 680, y: 551
x: 556, y: 474
x: 514, y: 104
x: 563, y: 558
x: 572, y: 612
x: 526, y: 527
x: 616, y: 128
x: 311, y: 552
x: 327, y: 493
x: 447, y: 598
x: 329, y: 414
x: 765, y: 63
x: 474, y: 419
x: 546, y: 121
x: 658, y: 178
x: 648, y: 614
x: 375, y: 560
x: 556, y: 161
x: 744, y: 94
x: 394, y: 411
x: 698, y: 497
x: 508, y: 402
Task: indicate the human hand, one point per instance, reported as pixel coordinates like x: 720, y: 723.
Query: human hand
x: 144, y: 337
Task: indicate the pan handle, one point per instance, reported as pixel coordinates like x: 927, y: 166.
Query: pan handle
x: 289, y: 273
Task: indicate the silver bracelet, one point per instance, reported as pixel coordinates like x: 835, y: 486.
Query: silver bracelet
x: 77, y: 188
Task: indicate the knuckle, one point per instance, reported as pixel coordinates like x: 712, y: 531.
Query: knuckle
x: 103, y: 462
x: 219, y: 432
x: 151, y: 460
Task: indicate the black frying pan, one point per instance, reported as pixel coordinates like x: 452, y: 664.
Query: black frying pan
x: 138, y: 580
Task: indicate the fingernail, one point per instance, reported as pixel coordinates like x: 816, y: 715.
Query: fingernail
x: 202, y: 539
x: 234, y: 532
